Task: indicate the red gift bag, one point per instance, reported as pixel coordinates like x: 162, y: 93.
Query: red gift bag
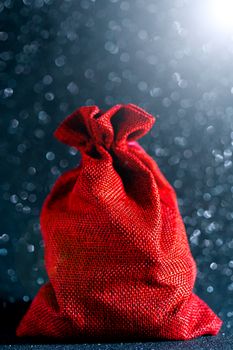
x: 116, y: 250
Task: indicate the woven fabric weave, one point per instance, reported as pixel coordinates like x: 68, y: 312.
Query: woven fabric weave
x: 116, y: 250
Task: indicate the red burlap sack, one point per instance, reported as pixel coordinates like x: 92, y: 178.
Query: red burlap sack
x: 116, y: 251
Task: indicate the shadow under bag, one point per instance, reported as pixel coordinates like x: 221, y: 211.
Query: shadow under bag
x: 116, y: 250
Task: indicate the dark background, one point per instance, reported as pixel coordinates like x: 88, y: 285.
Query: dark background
x: 170, y: 58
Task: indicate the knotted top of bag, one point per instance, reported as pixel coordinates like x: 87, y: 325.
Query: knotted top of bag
x: 89, y: 126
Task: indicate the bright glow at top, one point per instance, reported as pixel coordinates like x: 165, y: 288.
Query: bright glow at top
x: 221, y: 12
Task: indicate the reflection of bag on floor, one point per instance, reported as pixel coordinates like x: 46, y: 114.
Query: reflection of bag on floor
x: 116, y: 250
